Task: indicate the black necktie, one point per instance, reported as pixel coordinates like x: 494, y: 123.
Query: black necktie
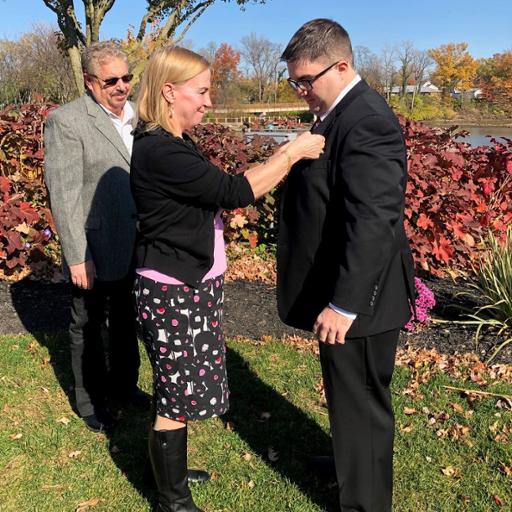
x: 315, y: 125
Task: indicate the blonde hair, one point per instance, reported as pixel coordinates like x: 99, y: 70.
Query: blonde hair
x: 170, y: 64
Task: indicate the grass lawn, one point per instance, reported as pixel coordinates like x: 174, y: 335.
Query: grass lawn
x: 453, y: 450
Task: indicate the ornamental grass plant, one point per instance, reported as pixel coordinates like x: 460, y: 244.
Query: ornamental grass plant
x: 493, y: 285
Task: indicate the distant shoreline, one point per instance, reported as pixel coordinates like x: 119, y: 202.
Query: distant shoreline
x: 502, y: 123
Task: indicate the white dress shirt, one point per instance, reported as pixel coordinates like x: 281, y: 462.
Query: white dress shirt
x: 123, y: 125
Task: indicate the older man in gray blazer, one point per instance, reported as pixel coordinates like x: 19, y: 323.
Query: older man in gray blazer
x: 88, y: 146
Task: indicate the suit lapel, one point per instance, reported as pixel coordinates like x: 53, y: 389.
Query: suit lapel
x: 104, y: 125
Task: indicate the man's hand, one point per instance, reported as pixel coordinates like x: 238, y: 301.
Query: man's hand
x: 83, y: 274
x: 331, y: 327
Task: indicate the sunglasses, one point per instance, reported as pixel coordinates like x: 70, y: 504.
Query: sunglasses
x: 109, y: 82
x: 306, y: 84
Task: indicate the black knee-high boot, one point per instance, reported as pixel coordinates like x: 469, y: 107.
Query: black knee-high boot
x: 168, y: 454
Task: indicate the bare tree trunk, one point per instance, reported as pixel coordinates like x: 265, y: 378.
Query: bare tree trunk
x: 73, y: 37
x: 76, y: 66
x: 414, y: 96
x: 95, y: 11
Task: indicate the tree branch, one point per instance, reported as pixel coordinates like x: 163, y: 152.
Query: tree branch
x: 66, y: 19
x: 151, y: 13
x: 199, y: 11
x: 95, y: 11
x: 508, y: 398
x: 173, y: 21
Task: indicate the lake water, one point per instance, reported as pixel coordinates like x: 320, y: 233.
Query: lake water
x: 480, y: 135
x: 279, y: 136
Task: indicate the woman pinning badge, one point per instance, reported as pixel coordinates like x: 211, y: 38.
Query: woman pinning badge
x: 180, y: 256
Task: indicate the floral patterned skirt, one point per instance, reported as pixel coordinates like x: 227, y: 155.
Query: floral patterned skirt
x: 181, y: 330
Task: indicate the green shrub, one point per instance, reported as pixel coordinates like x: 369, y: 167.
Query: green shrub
x: 425, y: 107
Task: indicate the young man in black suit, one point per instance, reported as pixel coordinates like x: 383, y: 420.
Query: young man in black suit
x: 344, y: 265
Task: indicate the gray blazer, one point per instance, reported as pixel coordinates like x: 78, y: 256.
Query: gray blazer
x: 87, y: 170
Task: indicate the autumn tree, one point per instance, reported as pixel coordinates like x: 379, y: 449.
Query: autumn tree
x: 285, y: 94
x: 405, y: 55
x: 172, y: 18
x: 263, y: 59
x: 420, y: 65
x: 388, y: 59
x: 495, y: 80
x: 455, y: 67
x: 208, y: 52
x: 23, y: 78
x: 225, y: 75
x: 369, y: 67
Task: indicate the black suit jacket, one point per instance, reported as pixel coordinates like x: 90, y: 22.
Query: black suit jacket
x: 341, y: 234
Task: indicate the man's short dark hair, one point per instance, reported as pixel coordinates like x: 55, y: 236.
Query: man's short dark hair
x: 319, y: 39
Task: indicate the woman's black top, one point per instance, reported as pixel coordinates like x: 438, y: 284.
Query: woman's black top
x: 177, y: 193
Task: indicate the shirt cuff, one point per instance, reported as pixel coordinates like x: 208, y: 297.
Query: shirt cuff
x: 344, y: 312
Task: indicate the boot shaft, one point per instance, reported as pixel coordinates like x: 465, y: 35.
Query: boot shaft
x: 168, y: 455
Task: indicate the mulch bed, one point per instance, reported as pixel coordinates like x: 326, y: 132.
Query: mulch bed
x: 250, y: 312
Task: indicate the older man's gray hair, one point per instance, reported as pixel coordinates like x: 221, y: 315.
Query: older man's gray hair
x: 101, y: 53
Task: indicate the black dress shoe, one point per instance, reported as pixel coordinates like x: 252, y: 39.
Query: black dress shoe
x: 198, y: 476
x: 100, y: 423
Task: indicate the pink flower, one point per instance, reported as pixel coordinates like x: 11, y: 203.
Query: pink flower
x: 425, y: 301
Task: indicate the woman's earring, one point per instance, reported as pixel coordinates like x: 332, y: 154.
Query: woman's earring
x: 171, y: 110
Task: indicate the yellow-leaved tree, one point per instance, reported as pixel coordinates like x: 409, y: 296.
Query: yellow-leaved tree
x: 455, y: 68
x: 495, y: 79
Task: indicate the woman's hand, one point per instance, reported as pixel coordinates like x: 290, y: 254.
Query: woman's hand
x: 264, y: 177
x: 306, y: 145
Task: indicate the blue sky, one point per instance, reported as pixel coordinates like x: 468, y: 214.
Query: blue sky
x: 485, y: 26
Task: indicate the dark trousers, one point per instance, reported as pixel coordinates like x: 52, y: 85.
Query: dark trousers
x: 103, y: 367
x: 357, y: 376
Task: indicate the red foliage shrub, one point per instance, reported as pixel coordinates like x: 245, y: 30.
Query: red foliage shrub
x: 27, y: 241
x: 230, y: 152
x: 455, y: 195
x: 284, y: 123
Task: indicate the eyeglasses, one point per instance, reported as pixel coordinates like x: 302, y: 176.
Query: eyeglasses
x: 306, y: 84
x: 109, y: 82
